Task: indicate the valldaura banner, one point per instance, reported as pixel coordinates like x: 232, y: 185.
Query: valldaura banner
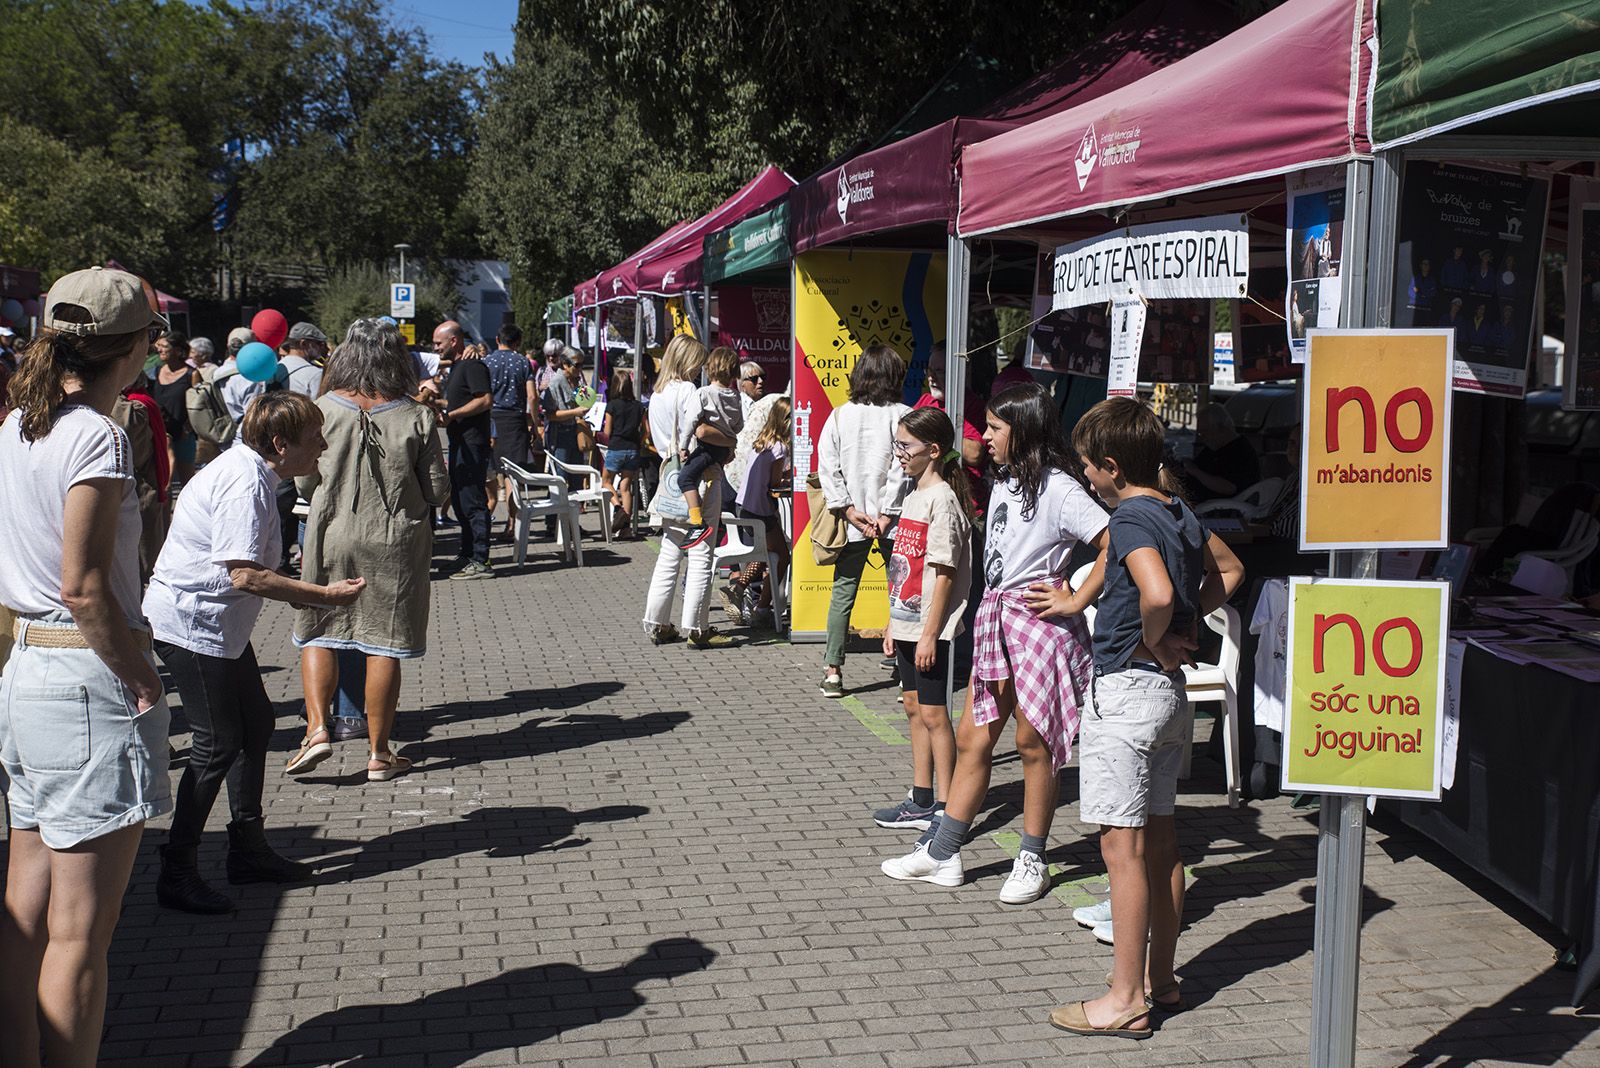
x: 1191, y: 258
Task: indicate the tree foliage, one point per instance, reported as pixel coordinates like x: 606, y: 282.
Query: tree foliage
x: 361, y: 290
x: 116, y: 113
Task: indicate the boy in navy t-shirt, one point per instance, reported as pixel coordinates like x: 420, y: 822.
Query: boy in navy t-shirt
x: 1163, y: 573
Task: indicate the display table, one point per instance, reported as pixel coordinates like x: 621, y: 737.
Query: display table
x: 1525, y: 807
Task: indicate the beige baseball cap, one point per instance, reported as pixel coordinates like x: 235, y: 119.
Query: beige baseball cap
x: 115, y: 301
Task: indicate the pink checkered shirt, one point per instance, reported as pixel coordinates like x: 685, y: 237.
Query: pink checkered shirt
x: 1048, y: 661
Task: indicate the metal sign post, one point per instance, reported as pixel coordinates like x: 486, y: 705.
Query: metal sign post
x: 1342, y: 819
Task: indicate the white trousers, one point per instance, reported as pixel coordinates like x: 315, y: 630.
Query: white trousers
x: 696, y: 584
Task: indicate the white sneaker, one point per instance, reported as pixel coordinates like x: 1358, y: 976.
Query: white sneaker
x: 920, y: 865
x: 1102, y: 933
x: 1092, y: 915
x: 1027, y: 882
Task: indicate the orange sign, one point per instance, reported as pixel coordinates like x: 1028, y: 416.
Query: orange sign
x: 1375, y: 455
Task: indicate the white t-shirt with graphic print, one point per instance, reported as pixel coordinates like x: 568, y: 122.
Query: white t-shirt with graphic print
x: 1018, y: 552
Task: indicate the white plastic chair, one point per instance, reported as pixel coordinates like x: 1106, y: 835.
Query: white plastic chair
x: 533, y: 496
x: 1079, y: 577
x: 1219, y: 682
x: 1254, y: 503
x: 1582, y: 537
x: 593, y: 492
x: 747, y: 544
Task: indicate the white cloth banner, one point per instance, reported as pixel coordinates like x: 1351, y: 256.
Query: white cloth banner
x: 1160, y: 261
x: 1455, y: 654
x: 1127, y: 333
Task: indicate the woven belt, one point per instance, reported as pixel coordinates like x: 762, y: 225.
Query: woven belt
x: 46, y: 636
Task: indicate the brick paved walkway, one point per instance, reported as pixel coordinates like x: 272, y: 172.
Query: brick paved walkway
x: 602, y: 859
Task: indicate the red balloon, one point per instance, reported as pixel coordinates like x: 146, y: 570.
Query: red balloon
x: 270, y: 327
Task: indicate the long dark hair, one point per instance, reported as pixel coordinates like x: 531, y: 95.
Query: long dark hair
x: 934, y: 427
x: 1036, y: 442
x: 40, y: 383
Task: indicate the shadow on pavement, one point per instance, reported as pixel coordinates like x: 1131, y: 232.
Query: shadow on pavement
x: 515, y: 1009
x: 1539, y: 1037
x: 548, y: 699
x: 183, y: 987
x: 535, y: 737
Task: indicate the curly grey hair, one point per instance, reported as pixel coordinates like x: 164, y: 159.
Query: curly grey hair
x: 373, y: 360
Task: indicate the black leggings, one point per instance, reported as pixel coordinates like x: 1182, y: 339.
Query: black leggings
x: 231, y: 717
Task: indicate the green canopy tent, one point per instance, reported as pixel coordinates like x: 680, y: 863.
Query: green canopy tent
x: 1471, y: 63
x: 558, y: 317
x: 746, y: 270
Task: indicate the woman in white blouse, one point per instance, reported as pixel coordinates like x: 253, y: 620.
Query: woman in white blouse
x: 861, y: 481
x: 672, y: 420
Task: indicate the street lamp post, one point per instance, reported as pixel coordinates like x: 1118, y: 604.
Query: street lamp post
x: 402, y: 249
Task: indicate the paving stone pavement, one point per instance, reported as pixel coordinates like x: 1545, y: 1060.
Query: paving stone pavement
x: 613, y: 854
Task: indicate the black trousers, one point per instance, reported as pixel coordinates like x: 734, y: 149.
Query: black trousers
x: 231, y: 717
x: 469, y: 470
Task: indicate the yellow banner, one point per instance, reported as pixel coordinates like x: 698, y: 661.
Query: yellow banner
x: 409, y: 332
x: 1365, y: 690
x: 844, y: 303
x: 1376, y: 469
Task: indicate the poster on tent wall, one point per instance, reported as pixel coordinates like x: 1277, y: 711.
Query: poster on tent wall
x: 1468, y: 260
x: 1075, y: 342
x: 1176, y: 343
x: 1260, y: 342
x: 1314, y: 244
x: 1128, y: 316
x: 1581, y: 371
x: 754, y: 321
x: 845, y: 302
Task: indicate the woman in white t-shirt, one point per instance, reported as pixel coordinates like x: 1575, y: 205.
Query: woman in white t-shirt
x: 219, y: 561
x: 1031, y: 657
x: 861, y: 481
x: 83, y: 727
x: 673, y: 412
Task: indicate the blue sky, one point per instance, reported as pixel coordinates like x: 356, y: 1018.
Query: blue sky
x: 462, y: 29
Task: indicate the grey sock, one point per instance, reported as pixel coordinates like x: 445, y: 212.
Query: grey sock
x: 933, y: 828
x: 947, y: 842
x: 1033, y: 843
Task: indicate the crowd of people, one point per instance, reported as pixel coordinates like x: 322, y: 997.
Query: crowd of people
x: 170, y: 497
x: 980, y: 532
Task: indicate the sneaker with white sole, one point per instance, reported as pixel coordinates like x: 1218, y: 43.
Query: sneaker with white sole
x: 1102, y: 933
x: 906, y: 814
x: 832, y: 685
x: 1090, y: 915
x: 920, y: 866
x: 1027, y: 882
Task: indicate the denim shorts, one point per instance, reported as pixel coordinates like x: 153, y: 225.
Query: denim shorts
x: 81, y: 760
x: 620, y: 460
x: 1130, y: 747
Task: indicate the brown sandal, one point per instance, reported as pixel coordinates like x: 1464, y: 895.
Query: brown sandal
x: 391, y: 766
x: 1075, y: 1018
x: 1167, y: 999
x: 312, y: 752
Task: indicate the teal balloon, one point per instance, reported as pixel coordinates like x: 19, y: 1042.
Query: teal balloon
x: 258, y: 362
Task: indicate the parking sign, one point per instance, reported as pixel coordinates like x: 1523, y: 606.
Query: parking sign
x: 403, y: 300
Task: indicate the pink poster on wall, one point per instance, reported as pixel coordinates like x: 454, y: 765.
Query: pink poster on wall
x: 754, y: 320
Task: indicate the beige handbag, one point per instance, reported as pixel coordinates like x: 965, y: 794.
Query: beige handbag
x: 829, y: 531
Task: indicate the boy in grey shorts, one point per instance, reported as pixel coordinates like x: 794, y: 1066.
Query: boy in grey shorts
x: 1163, y: 572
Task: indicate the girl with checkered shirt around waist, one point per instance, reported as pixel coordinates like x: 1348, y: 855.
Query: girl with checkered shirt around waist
x: 1031, y: 655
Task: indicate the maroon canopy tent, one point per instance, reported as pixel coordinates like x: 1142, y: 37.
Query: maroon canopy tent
x: 680, y: 248
x: 1284, y: 93
x: 912, y: 181
x: 676, y: 265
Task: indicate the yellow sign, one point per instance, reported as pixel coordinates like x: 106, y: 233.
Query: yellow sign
x: 681, y: 323
x: 1375, y: 455
x: 1365, y: 692
x: 409, y: 332
x: 845, y: 302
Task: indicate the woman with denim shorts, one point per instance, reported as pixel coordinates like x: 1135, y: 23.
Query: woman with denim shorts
x: 83, y: 726
x: 624, y: 438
